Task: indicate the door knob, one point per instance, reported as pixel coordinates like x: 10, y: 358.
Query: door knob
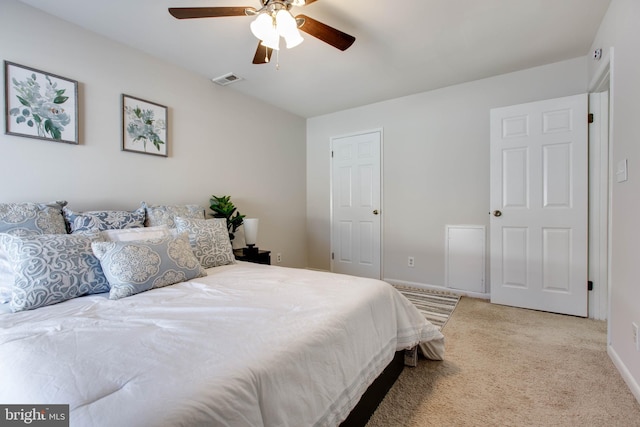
x: 375, y: 212
x: 497, y: 213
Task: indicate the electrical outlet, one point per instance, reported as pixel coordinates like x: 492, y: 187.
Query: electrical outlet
x: 411, y: 262
x: 278, y: 257
x: 634, y: 325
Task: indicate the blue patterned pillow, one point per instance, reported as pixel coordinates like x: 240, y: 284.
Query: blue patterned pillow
x: 26, y: 219
x: 22, y: 219
x: 51, y: 268
x: 137, y: 266
x: 209, y: 240
x: 166, y: 214
x: 94, y: 221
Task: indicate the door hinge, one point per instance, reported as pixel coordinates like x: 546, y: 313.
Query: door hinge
x: 590, y: 118
x: 331, y: 153
x: 332, y: 255
x: 590, y: 285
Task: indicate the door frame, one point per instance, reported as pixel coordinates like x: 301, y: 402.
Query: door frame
x: 382, y: 210
x: 600, y: 217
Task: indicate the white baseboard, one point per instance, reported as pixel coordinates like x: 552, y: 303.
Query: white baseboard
x: 624, y: 372
x: 437, y: 288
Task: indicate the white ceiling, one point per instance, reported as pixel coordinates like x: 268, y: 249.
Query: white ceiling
x: 401, y: 47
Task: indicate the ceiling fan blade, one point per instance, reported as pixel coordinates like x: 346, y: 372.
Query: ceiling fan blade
x: 327, y: 34
x: 263, y: 54
x: 207, y: 12
x: 309, y: 2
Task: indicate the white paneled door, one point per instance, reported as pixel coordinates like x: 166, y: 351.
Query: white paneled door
x: 539, y: 205
x: 355, y: 197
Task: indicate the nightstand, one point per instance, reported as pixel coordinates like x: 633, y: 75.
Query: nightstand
x: 257, y: 256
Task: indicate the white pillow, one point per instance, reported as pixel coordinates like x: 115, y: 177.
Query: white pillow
x: 142, y: 233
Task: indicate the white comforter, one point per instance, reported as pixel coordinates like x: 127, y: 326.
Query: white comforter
x: 248, y: 345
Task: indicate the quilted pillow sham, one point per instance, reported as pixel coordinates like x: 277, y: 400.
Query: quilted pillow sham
x: 166, y: 214
x: 94, y: 221
x: 209, y: 240
x: 51, y: 268
x: 140, y: 265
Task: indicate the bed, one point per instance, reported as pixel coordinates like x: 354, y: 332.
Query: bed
x: 244, y: 345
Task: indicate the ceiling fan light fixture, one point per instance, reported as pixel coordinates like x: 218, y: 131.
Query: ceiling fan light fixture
x: 288, y: 28
x: 263, y: 27
x: 272, y: 41
x: 285, y: 22
x: 272, y: 21
x: 293, y: 40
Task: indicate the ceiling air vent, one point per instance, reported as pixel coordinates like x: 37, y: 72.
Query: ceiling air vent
x: 226, y: 79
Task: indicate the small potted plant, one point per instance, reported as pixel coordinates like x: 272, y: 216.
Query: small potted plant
x: 223, y: 207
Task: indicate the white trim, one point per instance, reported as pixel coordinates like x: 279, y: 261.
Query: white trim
x: 600, y: 187
x: 598, y: 203
x: 624, y: 373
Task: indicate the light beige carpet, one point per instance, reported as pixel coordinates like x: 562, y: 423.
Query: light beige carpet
x: 506, y: 366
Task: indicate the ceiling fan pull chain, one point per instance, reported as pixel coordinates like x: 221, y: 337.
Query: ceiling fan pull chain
x: 266, y: 54
x: 278, y: 60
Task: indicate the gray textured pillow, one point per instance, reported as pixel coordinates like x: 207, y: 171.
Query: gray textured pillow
x: 51, y: 268
x: 209, y: 240
x: 137, y: 266
x: 94, y: 221
x: 166, y: 214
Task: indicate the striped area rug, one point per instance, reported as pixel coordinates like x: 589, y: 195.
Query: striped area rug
x: 435, y: 306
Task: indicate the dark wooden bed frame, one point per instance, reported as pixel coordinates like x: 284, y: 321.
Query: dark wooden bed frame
x: 375, y: 393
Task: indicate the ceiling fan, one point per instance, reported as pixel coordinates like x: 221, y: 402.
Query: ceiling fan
x: 273, y: 20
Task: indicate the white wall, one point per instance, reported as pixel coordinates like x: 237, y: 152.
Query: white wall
x: 436, y: 163
x: 620, y: 30
x: 217, y: 143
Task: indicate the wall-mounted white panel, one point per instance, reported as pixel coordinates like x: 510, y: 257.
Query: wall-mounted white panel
x: 465, y: 257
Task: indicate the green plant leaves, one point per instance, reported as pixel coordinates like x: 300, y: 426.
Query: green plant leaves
x: 222, y: 207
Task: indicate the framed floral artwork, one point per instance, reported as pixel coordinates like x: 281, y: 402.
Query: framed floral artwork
x: 40, y: 104
x: 144, y: 126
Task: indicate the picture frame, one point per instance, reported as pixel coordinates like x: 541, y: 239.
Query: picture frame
x: 144, y: 126
x: 40, y: 105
